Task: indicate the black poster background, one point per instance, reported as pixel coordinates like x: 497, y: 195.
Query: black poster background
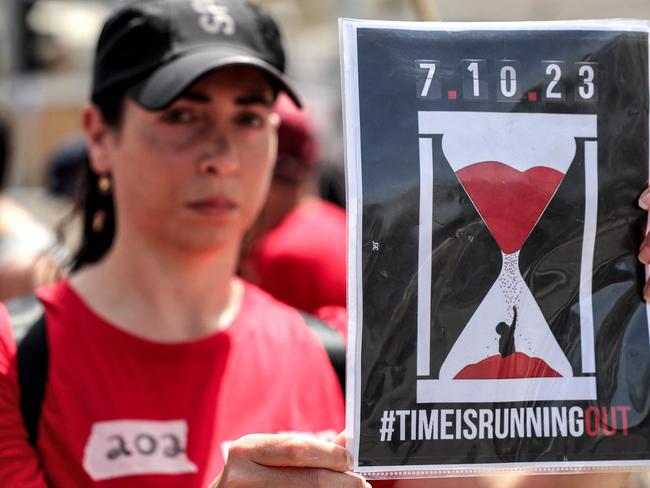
x: 466, y: 258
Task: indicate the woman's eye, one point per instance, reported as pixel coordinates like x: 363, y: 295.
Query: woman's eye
x: 250, y: 120
x: 178, y: 116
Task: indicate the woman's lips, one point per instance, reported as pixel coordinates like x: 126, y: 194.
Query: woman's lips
x: 214, y: 206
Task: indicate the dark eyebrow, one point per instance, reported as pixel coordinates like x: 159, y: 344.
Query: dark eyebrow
x: 254, y: 100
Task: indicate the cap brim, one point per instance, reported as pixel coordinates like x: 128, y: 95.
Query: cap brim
x: 167, y: 83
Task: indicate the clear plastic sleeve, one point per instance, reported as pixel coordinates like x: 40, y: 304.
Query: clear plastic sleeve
x: 496, y: 313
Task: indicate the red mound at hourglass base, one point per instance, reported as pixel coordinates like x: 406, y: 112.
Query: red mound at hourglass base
x: 517, y: 365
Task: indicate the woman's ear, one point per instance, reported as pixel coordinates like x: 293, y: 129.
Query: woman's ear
x: 98, y: 139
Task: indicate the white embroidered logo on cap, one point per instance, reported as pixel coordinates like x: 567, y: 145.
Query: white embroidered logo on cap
x: 214, y: 18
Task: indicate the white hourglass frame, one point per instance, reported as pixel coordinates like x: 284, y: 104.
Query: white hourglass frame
x: 524, y: 141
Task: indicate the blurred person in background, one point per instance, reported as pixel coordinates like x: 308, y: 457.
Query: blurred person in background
x: 297, y: 248
x: 160, y: 360
x: 332, y: 183
x: 65, y: 167
x: 29, y: 256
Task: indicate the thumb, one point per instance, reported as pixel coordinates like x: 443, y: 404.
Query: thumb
x: 340, y: 439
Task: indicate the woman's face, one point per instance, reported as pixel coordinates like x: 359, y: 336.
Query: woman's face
x: 194, y: 175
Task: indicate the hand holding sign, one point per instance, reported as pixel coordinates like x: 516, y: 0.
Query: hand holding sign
x: 281, y: 460
x: 644, y: 250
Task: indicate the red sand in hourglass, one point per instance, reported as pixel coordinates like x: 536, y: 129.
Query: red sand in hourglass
x: 509, y: 201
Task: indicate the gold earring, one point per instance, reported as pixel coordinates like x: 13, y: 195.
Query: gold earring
x: 104, y: 185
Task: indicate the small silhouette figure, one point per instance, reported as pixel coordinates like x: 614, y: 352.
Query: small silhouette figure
x: 507, y: 336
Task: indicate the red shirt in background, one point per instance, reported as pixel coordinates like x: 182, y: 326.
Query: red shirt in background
x: 302, y: 261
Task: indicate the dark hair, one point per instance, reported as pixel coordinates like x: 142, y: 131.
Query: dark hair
x: 95, y: 243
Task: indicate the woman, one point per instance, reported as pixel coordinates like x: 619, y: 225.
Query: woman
x: 160, y: 359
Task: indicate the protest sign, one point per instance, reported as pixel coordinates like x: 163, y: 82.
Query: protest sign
x: 496, y: 301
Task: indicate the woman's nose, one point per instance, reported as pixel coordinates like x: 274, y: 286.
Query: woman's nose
x: 219, y: 159
x: 208, y: 166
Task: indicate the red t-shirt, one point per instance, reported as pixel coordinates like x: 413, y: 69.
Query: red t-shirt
x: 123, y: 411
x: 302, y: 260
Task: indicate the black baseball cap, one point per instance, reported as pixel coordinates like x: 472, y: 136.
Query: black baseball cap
x: 153, y: 50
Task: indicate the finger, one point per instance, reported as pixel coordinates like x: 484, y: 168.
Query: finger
x: 340, y: 439
x: 644, y: 254
x: 644, y: 251
x: 296, y: 451
x: 644, y: 199
x: 251, y: 474
x: 301, y: 477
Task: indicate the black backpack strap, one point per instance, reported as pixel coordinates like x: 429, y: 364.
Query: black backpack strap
x: 27, y: 317
x: 332, y: 342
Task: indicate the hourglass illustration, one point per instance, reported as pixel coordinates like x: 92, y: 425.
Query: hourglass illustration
x: 510, y: 165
